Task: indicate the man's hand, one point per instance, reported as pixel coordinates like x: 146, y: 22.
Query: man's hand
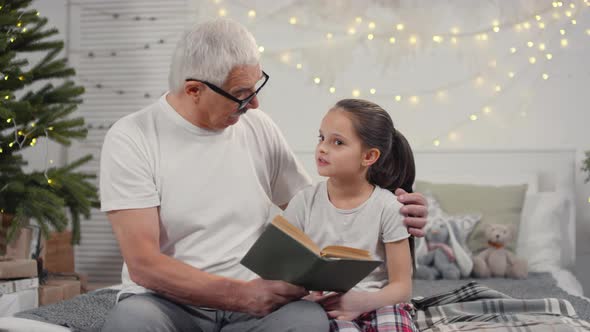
x: 260, y: 297
x: 414, y: 210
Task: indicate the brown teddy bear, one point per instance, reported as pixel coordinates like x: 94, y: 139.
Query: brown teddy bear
x: 496, y: 260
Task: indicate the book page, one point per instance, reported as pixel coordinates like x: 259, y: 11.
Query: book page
x: 283, y: 224
x: 345, y: 252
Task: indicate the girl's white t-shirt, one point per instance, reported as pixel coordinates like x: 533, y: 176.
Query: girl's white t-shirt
x: 375, y: 222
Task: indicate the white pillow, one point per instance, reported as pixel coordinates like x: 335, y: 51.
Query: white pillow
x: 544, y: 219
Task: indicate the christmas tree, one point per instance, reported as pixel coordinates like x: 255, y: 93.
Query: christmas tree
x: 34, y: 107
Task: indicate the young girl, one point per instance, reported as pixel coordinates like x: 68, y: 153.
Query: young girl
x: 365, y: 160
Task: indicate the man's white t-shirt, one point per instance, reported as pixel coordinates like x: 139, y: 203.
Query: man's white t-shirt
x: 368, y: 226
x: 214, y: 189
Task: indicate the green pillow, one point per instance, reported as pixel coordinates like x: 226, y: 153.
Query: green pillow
x: 497, y: 204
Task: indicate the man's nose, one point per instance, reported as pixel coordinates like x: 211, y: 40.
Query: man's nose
x: 253, y: 102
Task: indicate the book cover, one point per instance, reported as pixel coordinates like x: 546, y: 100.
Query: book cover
x: 283, y: 252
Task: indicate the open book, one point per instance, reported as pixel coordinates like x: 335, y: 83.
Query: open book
x: 284, y: 252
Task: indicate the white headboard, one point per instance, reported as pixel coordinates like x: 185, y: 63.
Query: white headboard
x: 554, y: 170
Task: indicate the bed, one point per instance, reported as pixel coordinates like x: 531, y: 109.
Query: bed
x: 547, y: 218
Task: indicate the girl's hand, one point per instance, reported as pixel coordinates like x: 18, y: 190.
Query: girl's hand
x: 347, y: 306
x: 314, y: 296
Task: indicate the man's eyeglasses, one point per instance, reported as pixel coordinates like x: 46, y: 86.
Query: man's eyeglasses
x: 242, y: 103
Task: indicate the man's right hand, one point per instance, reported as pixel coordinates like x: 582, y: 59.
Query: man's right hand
x: 260, y: 297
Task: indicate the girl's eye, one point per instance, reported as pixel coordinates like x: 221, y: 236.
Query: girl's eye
x: 320, y: 138
x: 338, y: 142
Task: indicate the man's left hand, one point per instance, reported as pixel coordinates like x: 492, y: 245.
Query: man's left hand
x: 415, y: 211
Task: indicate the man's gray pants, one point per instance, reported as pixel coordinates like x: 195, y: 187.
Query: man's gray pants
x: 150, y: 312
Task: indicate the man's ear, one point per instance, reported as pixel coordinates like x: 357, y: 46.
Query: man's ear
x: 193, y: 89
x: 370, y: 157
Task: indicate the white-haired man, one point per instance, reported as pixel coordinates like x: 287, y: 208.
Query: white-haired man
x: 188, y: 184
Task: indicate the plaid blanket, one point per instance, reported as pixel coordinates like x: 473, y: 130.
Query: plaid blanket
x: 386, y: 319
x: 474, y: 307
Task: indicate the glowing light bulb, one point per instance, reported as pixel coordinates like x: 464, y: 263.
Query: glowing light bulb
x: 414, y: 99
x: 332, y: 89
x: 562, y: 32
x: 436, y: 142
x: 545, y: 76
x: 356, y: 93
x: 413, y: 40
x: 298, y: 66
x: 496, y: 29
x: 370, y: 36
x: 574, y: 22
x: 487, y: 110
x: 351, y: 31
x: 454, y: 40
x: 454, y: 30
x: 49, y: 181
x: 317, y: 80
x: 398, y: 98
x: 261, y: 49
x: 532, y: 60
x: 538, y: 17
x: 359, y: 19
x: 513, y: 50
x: 329, y: 35
x: 251, y: 13
x: 372, y: 91
x: 541, y: 25
x: 564, y: 42
x: 479, y: 80
x: 293, y: 20
x: 495, y: 23
x: 498, y: 88
x: 511, y: 74
x: 473, y: 117
x: 399, y: 26
x: 526, y: 25
x: 371, y: 25
x: 568, y: 13
x: 437, y: 39
x: 392, y: 40
x: 530, y: 44
x: 222, y: 12
x: 549, y: 56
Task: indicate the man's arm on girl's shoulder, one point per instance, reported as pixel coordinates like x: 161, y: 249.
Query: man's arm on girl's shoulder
x: 415, y: 211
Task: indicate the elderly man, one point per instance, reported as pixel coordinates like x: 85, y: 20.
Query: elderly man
x: 188, y: 184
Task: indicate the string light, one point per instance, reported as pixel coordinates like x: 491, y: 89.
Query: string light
x: 261, y: 49
x: 299, y: 66
x: 392, y: 39
x: 564, y: 42
x: 487, y: 110
x: 222, y: 12
x: 329, y: 35
x: 356, y: 93
x: 372, y: 91
x: 332, y: 89
x: 252, y: 13
x: 513, y: 50
x: 399, y: 27
x: 511, y: 74
x: 413, y: 40
x: 532, y: 60
x: 372, y: 25
x: 545, y: 76
x: 317, y: 80
x: 473, y: 117
x: 436, y: 142
x: 541, y: 47
x: 549, y: 56
x: 370, y: 36
x: 293, y: 20
x: 541, y: 25
x: 562, y: 32
x: 574, y: 22
x: 414, y: 100
x: 437, y: 39
x: 530, y: 44
x: 498, y: 88
x: 351, y: 31
x: 359, y: 20
x: 398, y: 98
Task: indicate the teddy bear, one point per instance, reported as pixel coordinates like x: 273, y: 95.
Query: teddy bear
x: 440, y: 260
x: 496, y: 260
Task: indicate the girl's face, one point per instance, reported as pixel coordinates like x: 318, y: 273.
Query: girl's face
x: 339, y: 152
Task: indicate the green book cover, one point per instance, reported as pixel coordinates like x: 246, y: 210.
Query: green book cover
x: 278, y: 255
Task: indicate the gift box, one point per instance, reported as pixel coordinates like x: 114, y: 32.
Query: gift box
x: 58, y: 253
x: 18, y: 268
